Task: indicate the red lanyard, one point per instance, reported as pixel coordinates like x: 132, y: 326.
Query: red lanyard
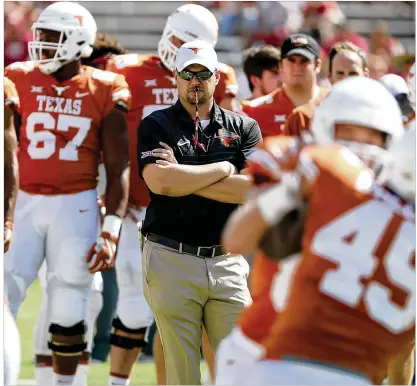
x: 197, y: 123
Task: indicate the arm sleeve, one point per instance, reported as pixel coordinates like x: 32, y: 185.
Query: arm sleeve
x: 10, y: 93
x: 120, y: 95
x: 150, y: 133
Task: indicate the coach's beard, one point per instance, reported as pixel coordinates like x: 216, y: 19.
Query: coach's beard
x: 192, y: 99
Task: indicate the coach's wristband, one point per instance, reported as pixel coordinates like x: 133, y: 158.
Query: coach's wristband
x: 112, y: 225
x: 276, y: 202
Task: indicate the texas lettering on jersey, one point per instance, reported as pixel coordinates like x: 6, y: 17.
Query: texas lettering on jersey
x: 59, y: 133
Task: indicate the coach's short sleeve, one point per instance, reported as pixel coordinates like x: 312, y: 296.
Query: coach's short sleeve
x: 150, y: 133
x: 251, y: 137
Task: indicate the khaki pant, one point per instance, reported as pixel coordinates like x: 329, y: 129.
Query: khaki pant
x: 184, y: 291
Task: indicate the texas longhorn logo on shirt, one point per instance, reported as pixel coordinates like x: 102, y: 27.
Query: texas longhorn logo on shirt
x: 226, y: 138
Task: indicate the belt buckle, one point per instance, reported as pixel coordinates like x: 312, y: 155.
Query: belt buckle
x: 212, y: 253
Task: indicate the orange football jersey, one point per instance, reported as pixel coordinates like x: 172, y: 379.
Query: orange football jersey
x: 274, y: 156
x: 10, y: 93
x: 60, y: 132
x: 153, y: 88
x: 351, y: 302
x: 299, y: 120
x: 227, y: 86
x: 270, y: 111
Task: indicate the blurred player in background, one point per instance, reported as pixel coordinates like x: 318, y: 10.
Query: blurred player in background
x: 345, y: 60
x: 11, y: 348
x: 243, y: 347
x: 153, y: 87
x: 299, y: 67
x: 104, y: 48
x: 347, y: 191
x: 69, y: 113
x: 261, y: 67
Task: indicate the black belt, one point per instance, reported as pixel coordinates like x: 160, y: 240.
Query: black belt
x: 184, y: 248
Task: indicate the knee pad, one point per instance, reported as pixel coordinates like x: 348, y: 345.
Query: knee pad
x: 68, y: 304
x: 59, y: 348
x: 125, y: 342
x: 134, y: 311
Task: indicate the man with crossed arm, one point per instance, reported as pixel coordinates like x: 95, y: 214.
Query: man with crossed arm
x: 194, y: 179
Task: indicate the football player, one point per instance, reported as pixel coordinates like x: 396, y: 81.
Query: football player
x: 69, y: 114
x: 261, y: 67
x: 298, y: 68
x: 345, y: 59
x: 11, y: 348
x: 357, y: 331
x: 103, y: 49
x: 153, y: 87
x: 243, y: 233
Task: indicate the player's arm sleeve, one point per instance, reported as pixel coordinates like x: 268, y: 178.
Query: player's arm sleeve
x: 251, y: 138
x: 11, y: 98
x: 120, y: 95
x: 11, y: 94
x: 149, y: 134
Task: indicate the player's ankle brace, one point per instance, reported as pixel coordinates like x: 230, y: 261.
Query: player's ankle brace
x: 124, y: 341
x: 67, y: 349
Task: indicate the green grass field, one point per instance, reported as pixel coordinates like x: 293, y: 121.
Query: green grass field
x: 143, y: 373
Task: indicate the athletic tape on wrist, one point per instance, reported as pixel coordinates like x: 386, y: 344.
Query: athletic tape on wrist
x: 112, y: 225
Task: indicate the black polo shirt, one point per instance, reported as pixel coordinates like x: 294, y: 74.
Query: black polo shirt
x: 191, y: 219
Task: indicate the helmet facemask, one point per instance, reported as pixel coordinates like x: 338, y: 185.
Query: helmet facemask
x: 375, y: 157
x: 188, y: 22
x: 167, y: 50
x: 67, y: 49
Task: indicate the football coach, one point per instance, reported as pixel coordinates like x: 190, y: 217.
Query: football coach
x: 191, y: 156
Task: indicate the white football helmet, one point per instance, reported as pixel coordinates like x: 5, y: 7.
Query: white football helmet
x: 411, y: 82
x: 400, y: 175
x: 364, y: 102
x: 188, y: 22
x: 78, y: 32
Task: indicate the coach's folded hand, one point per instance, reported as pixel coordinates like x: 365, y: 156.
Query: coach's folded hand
x: 165, y: 153
x: 102, y: 254
x: 8, y: 235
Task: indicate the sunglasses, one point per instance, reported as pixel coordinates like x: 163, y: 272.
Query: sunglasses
x: 200, y: 75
